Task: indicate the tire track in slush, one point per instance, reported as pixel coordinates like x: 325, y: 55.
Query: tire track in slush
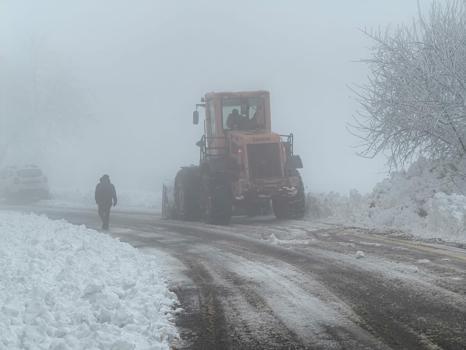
x: 389, y: 311
x: 240, y: 298
x: 215, y: 306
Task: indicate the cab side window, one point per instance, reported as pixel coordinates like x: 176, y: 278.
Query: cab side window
x: 212, y: 122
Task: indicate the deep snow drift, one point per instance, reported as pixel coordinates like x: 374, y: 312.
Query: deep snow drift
x: 427, y: 200
x: 68, y: 287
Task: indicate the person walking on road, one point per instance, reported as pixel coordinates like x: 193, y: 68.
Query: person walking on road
x: 105, y: 196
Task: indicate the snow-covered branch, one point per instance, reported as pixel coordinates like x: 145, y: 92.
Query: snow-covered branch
x: 414, y: 102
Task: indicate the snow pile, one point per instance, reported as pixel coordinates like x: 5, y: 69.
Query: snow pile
x: 426, y: 200
x: 447, y: 213
x: 349, y: 208
x: 360, y: 254
x: 76, y: 198
x: 68, y: 287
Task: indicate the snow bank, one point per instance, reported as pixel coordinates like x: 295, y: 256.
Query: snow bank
x: 76, y: 198
x: 68, y: 287
x: 427, y: 200
x: 447, y: 214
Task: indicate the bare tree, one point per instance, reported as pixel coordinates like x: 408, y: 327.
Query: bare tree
x: 414, y: 103
x: 40, y: 105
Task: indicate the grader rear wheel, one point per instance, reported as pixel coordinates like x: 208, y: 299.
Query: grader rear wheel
x: 187, y: 194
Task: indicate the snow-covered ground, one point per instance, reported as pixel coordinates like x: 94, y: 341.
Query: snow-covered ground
x: 67, y: 287
x: 427, y: 201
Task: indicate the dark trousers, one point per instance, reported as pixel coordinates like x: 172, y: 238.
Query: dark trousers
x: 104, y: 213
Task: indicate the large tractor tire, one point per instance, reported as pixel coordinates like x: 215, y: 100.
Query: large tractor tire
x: 286, y: 208
x: 187, y: 194
x: 216, y: 199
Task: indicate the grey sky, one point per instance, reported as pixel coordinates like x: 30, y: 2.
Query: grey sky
x: 142, y: 65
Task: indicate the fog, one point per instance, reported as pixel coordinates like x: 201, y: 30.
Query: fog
x: 91, y: 87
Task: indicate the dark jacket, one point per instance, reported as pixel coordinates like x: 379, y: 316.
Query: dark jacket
x: 105, y: 193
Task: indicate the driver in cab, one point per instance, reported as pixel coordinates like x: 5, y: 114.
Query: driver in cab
x: 235, y: 120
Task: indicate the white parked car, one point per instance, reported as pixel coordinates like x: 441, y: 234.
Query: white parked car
x: 24, y: 183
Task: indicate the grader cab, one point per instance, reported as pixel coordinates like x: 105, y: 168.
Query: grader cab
x: 244, y: 167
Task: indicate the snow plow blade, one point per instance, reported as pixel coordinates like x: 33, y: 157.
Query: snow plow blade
x: 168, y: 203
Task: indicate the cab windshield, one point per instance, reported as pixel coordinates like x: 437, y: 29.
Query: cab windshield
x: 243, y: 113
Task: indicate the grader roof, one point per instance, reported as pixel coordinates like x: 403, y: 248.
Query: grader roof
x: 211, y: 95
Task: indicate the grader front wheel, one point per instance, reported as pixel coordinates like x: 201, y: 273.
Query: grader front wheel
x: 286, y: 208
x: 216, y: 199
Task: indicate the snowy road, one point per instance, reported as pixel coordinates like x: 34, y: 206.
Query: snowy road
x: 264, y: 284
